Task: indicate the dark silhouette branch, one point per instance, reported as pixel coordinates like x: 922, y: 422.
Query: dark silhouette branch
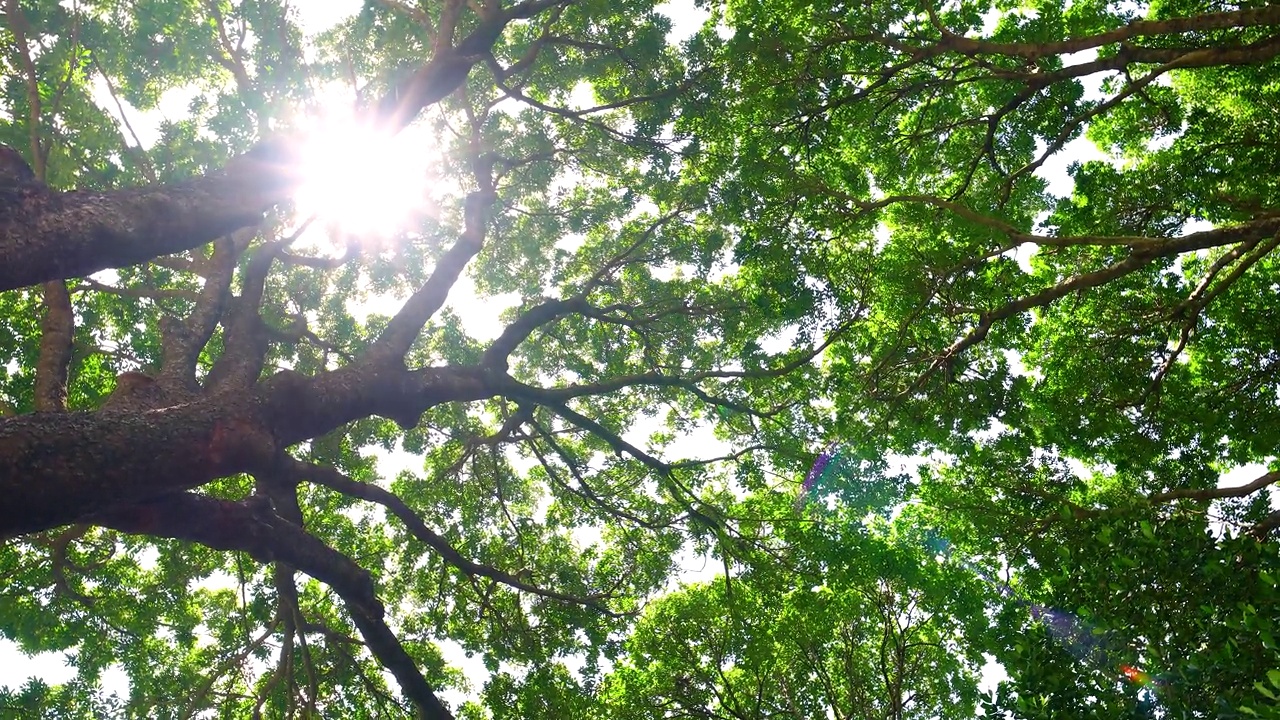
x: 1239, y: 491
x: 254, y: 528
x: 403, y: 329
x: 336, y: 481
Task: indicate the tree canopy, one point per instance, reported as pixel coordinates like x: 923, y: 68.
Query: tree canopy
x: 941, y: 336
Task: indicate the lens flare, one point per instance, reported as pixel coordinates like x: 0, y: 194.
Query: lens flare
x: 1136, y: 675
x: 1078, y: 638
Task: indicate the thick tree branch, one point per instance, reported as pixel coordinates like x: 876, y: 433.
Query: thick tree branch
x: 1201, y: 495
x: 249, y: 526
x: 57, y: 336
x: 50, y: 476
x: 184, y: 340
x: 517, y: 332
x: 1071, y: 126
x: 246, y: 346
x: 57, y: 468
x: 1266, y: 526
x: 449, y: 68
x: 50, y: 235
x: 300, y: 408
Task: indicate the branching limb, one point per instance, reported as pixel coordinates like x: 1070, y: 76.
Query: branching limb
x: 449, y: 67
x: 300, y: 408
x: 1252, y: 17
x: 194, y: 703
x: 987, y: 320
x: 1239, y: 491
x: 1137, y: 259
x: 183, y: 341
x: 403, y: 329
x: 450, y: 13
x: 531, y: 53
x: 230, y: 56
x: 59, y: 563
x: 320, y: 263
x: 1069, y: 129
x: 512, y: 423
x: 299, y: 332
x: 496, y: 355
x: 283, y: 670
x: 246, y: 344
x: 584, y: 491
x: 1198, y: 495
x: 681, y: 493
x: 253, y: 528
x: 418, y: 15
x: 1201, y: 296
x: 336, y: 481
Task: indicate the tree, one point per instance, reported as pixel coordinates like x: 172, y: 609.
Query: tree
x: 807, y: 221
x: 884, y: 163
x: 851, y: 622
x: 228, y: 350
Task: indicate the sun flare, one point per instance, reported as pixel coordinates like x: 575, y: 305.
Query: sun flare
x: 363, y: 180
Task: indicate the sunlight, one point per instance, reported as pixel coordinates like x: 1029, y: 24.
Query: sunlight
x: 360, y: 179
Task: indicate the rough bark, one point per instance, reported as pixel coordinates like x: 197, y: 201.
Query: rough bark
x: 48, y: 235
x: 57, y: 468
x: 57, y: 334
